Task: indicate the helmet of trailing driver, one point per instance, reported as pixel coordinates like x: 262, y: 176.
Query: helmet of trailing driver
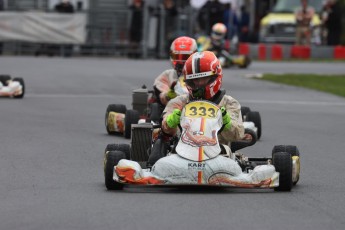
x: 180, y: 50
x: 203, y: 75
x: 218, y: 31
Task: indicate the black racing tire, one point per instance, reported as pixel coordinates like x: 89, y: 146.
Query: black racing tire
x: 120, y: 147
x: 4, y: 79
x: 247, y: 61
x: 282, y: 162
x: 21, y: 81
x: 111, y: 159
x: 244, y: 111
x: 132, y: 117
x: 155, y: 112
x: 255, y: 117
x: 293, y: 150
x: 117, y: 108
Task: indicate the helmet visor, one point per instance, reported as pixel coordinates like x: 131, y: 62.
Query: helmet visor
x: 181, y: 58
x: 201, y: 82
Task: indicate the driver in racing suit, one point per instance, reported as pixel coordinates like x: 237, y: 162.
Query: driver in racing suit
x: 180, y: 50
x: 203, y: 76
x: 216, y: 42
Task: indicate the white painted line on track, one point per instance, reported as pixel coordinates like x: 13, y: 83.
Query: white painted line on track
x: 312, y: 103
x: 317, y: 103
x: 72, y: 95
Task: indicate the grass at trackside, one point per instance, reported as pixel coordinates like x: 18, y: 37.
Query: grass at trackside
x: 334, y: 84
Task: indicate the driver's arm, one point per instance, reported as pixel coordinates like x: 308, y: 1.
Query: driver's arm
x: 236, y: 131
x: 163, y: 83
x: 176, y: 103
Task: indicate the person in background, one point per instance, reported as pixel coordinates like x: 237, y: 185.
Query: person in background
x: 230, y: 21
x: 1, y: 9
x: 210, y: 13
x: 244, y: 25
x: 65, y: 6
x: 333, y: 23
x: 304, y: 15
x: 136, y: 27
x: 170, y: 21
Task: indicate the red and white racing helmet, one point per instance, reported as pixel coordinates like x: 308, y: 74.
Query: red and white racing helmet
x: 218, y: 31
x: 180, y: 50
x: 203, y: 75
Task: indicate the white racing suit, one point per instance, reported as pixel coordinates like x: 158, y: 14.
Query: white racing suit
x: 163, y: 84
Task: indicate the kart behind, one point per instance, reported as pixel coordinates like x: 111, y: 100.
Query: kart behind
x: 196, y: 158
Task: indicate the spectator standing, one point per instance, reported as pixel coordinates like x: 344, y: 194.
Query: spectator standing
x: 323, y: 16
x: 170, y: 21
x: 1, y: 9
x: 136, y: 26
x: 244, y: 25
x: 304, y: 15
x: 210, y: 13
x: 230, y: 21
x: 333, y: 23
x: 64, y: 6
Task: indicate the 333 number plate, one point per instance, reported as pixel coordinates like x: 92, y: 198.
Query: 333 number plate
x: 201, y: 109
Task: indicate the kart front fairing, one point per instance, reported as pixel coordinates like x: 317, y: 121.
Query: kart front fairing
x: 13, y: 88
x: 198, y: 160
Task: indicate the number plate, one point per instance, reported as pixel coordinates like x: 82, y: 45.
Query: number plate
x: 201, y: 109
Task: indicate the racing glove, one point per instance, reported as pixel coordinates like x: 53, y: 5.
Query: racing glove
x: 173, y: 119
x: 226, y: 118
x: 171, y: 94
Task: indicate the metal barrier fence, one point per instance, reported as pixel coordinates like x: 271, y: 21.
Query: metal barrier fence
x: 108, y: 35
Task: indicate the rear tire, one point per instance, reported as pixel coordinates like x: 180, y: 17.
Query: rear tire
x: 282, y: 162
x: 244, y: 111
x: 21, y: 81
x: 247, y: 61
x: 132, y: 117
x: 117, y: 108
x: 155, y: 112
x: 255, y: 117
x: 111, y: 159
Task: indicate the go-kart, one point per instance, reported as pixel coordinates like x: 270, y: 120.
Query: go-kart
x: 146, y: 109
x: 226, y: 58
x: 196, y: 158
x: 11, y: 87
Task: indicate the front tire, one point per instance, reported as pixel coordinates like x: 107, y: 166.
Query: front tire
x: 125, y: 148
x: 111, y: 159
x: 293, y: 150
x: 282, y: 162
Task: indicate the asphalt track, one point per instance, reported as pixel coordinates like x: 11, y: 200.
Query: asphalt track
x: 52, y: 143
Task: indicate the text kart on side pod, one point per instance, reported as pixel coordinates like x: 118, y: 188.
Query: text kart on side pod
x: 196, y: 158
x: 146, y: 109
